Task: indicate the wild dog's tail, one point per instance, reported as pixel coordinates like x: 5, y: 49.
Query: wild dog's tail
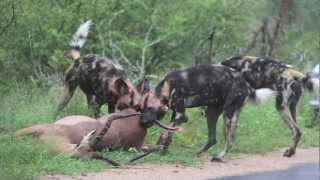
x: 79, y: 38
x: 261, y: 95
x: 311, y: 81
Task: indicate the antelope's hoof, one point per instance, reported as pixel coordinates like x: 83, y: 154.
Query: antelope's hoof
x: 216, y: 159
x: 289, y: 152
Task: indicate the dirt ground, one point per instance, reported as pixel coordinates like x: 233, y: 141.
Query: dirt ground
x: 241, y: 165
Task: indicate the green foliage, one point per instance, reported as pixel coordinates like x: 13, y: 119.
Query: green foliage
x: 38, y: 39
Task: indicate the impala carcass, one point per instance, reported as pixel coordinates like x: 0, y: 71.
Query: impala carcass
x: 78, y: 136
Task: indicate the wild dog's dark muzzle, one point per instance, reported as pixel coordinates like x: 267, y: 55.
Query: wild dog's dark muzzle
x: 147, y: 119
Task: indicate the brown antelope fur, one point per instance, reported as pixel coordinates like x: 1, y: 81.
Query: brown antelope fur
x: 76, y: 135
x: 62, y: 138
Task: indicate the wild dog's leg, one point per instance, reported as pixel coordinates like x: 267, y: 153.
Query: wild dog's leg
x: 230, y: 125
x: 294, y: 99
x: 284, y: 111
x: 180, y: 115
x: 70, y: 85
x: 177, y: 118
x: 213, y: 113
x: 231, y: 111
x: 166, y: 136
x: 68, y: 91
x: 93, y: 105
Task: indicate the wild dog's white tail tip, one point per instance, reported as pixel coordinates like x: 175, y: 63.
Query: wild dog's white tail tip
x: 312, y: 80
x: 263, y: 94
x: 316, y: 81
x: 316, y: 69
x: 315, y: 84
x: 79, y: 38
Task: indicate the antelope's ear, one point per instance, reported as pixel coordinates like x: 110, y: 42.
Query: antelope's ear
x: 143, y: 86
x: 120, y: 87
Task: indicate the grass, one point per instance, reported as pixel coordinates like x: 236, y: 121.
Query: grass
x: 260, y: 130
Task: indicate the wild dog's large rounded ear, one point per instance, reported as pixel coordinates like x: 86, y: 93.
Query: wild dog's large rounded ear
x: 120, y: 87
x: 143, y: 86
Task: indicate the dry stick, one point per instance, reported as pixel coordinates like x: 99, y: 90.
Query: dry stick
x: 200, y: 45
x: 154, y: 149
x: 255, y: 37
x: 211, y: 36
x: 264, y: 38
x: 283, y: 9
x: 100, y: 156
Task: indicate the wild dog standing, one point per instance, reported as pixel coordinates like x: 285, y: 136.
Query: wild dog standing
x: 289, y: 83
x: 94, y: 74
x: 220, y: 88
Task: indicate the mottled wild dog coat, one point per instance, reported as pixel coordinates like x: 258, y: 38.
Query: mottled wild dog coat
x: 220, y: 88
x: 94, y: 74
x: 289, y: 84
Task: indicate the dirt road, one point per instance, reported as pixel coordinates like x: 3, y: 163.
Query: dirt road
x: 241, y: 165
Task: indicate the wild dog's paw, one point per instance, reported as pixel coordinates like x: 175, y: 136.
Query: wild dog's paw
x: 181, y: 118
x: 289, y: 152
x: 216, y: 159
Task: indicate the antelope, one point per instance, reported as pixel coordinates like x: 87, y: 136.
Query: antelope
x: 77, y: 136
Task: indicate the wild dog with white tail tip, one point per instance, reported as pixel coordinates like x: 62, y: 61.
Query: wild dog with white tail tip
x: 287, y: 82
x: 220, y: 88
x: 95, y: 75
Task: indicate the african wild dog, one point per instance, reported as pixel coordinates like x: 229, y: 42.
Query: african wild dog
x: 289, y: 84
x: 95, y: 75
x: 220, y: 88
